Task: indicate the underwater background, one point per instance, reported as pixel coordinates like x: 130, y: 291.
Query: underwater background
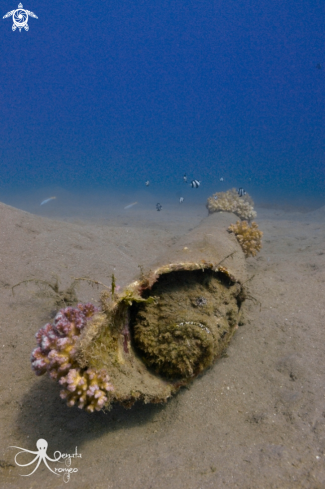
x: 99, y: 97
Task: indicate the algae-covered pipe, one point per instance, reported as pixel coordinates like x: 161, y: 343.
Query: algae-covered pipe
x: 163, y: 330
x: 171, y: 323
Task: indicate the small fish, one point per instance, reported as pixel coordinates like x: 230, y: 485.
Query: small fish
x: 221, y: 179
x: 319, y: 66
x: 147, y: 183
x: 185, y: 178
x: 241, y: 192
x: 47, y: 200
x: 130, y: 205
x: 158, y: 207
x: 215, y: 197
x: 181, y: 199
x: 195, y: 183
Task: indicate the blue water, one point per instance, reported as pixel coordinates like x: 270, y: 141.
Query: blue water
x: 105, y: 95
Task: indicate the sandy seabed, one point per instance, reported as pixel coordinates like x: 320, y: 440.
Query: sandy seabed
x: 255, y: 420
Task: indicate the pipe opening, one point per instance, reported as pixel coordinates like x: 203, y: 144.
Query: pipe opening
x: 190, y: 324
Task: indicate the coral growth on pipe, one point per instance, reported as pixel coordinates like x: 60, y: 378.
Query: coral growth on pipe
x: 230, y: 201
x: 249, y: 237
x: 56, y: 355
x: 89, y: 388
